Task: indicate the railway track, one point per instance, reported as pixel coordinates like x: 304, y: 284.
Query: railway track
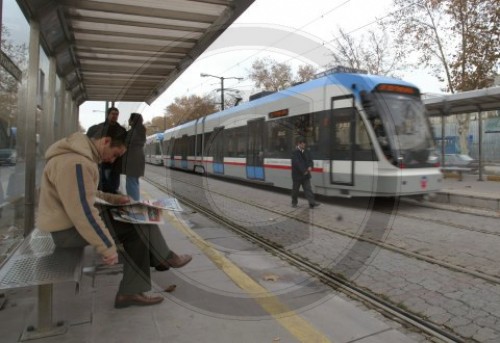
x: 388, y: 309
x: 454, y: 209
x: 365, y: 237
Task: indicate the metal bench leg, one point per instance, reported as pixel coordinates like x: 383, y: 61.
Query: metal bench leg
x: 45, y: 326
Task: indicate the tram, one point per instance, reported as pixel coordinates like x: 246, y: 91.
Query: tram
x: 153, y: 149
x: 368, y: 135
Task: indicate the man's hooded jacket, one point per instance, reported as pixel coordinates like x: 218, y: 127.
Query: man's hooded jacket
x: 69, y: 190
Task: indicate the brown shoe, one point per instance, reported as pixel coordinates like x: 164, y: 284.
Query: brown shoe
x: 177, y: 261
x: 139, y: 299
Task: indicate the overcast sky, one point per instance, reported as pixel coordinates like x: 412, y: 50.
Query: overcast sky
x: 291, y: 31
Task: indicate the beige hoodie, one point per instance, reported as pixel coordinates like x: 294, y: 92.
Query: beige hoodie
x: 69, y: 189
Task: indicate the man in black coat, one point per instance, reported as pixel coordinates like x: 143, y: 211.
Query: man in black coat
x: 110, y: 172
x: 302, y: 165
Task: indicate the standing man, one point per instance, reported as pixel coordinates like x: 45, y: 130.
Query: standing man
x: 134, y: 161
x: 302, y: 165
x: 110, y: 172
x: 66, y: 209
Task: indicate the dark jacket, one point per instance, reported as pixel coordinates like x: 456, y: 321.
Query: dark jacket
x: 134, y: 159
x: 300, y: 162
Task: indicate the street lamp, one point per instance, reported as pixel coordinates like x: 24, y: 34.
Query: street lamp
x: 221, y: 86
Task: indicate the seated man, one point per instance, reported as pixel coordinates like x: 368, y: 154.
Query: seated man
x: 66, y: 210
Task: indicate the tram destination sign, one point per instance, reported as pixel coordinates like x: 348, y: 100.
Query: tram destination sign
x: 10, y: 66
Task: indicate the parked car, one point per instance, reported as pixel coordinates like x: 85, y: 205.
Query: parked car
x: 8, y: 157
x: 461, y: 160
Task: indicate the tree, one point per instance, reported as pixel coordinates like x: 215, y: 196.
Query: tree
x: 9, y: 84
x: 305, y: 73
x: 270, y: 75
x: 457, y: 39
x: 188, y: 108
x: 374, y: 53
x: 157, y: 124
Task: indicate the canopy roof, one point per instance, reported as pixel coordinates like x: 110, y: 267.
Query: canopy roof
x: 127, y: 50
x: 487, y: 99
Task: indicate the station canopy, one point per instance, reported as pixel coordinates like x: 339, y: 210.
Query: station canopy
x: 487, y: 99
x: 127, y: 50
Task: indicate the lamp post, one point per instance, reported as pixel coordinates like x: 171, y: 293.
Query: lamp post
x: 222, y: 78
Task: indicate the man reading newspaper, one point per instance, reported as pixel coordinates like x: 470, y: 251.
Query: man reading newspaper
x: 66, y: 210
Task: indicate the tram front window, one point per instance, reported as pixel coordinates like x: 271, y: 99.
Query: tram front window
x: 404, y: 134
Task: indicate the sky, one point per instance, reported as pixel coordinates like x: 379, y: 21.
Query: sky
x: 291, y: 31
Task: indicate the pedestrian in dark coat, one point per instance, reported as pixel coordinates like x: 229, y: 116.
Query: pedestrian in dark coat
x: 109, y: 172
x: 134, y: 160
x: 302, y: 165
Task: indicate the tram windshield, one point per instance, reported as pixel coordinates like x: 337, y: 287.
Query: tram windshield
x: 402, y: 128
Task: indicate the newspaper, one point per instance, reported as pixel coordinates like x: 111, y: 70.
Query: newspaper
x: 143, y: 211
x: 138, y: 214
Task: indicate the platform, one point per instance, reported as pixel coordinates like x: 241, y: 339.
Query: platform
x: 470, y: 192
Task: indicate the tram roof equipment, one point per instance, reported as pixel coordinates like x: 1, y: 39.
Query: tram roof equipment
x: 128, y: 50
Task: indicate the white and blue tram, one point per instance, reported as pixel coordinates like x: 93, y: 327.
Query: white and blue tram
x: 153, y: 149
x: 368, y: 136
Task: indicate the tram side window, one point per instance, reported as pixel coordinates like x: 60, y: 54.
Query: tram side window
x: 167, y: 147
x: 279, y: 138
x: 198, y: 144
x: 157, y: 147
x: 184, y: 146
x: 207, y: 148
x: 323, y: 128
x: 237, y: 142
x: 364, y: 147
x: 191, y: 145
x: 232, y: 143
x: 218, y: 145
x: 177, y: 147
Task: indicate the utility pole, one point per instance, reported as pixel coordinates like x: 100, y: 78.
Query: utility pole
x: 222, y: 78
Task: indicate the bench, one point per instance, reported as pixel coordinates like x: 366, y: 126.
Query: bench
x: 37, y: 262
x: 458, y: 170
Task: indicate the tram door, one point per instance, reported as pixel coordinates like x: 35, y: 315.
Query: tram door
x: 342, y: 138
x: 218, y: 150
x: 255, y: 150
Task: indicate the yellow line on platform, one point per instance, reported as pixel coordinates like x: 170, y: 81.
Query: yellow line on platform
x: 295, y: 324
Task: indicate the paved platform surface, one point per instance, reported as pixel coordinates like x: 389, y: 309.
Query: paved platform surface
x: 470, y: 192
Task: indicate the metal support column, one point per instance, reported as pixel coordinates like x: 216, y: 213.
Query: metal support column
x: 47, y: 132
x: 30, y: 127
x: 480, y: 147
x: 45, y: 326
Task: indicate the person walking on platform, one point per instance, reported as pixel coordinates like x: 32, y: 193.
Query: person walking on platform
x: 302, y: 165
x: 134, y: 160
x: 66, y: 210
x: 110, y: 172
